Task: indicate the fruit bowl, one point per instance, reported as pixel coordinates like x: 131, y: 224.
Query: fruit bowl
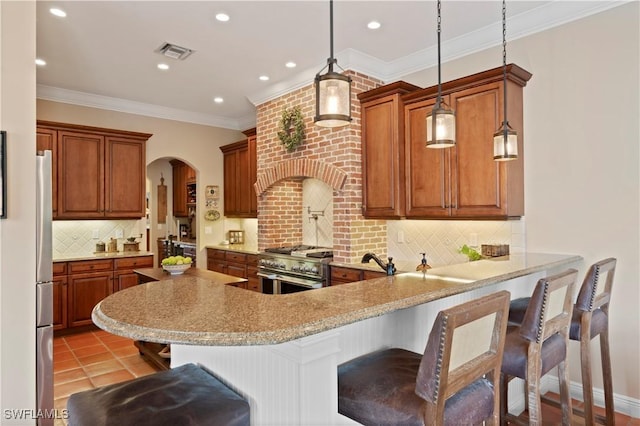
x: 176, y: 269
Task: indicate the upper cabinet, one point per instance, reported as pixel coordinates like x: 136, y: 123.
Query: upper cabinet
x: 383, y: 150
x: 463, y: 181
x: 240, y: 165
x: 97, y: 173
x: 184, y: 188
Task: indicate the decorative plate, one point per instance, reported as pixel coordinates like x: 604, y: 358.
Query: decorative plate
x: 212, y: 215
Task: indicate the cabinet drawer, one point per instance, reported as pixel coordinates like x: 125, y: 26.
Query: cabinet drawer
x: 368, y: 275
x: 134, y: 262
x: 252, y: 260
x: 345, y: 274
x: 90, y: 266
x: 236, y: 257
x: 59, y: 268
x: 215, y: 254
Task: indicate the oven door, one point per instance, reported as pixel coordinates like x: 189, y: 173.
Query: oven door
x: 273, y: 283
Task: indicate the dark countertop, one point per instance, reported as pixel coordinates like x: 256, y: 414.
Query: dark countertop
x: 159, y: 274
x: 197, y: 311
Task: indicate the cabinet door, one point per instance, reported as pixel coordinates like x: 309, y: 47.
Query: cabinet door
x: 124, y: 279
x: 179, y: 189
x: 427, y: 169
x: 341, y: 275
x: 125, y: 178
x: 59, y: 302
x: 46, y: 139
x: 80, y: 175
x: 382, y: 159
x: 481, y: 184
x: 230, y: 196
x: 84, y: 292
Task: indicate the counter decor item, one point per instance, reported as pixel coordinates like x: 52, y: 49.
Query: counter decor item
x: 291, y: 132
x: 112, y: 247
x: 131, y: 244
x: 176, y: 269
x: 176, y: 265
x: 471, y: 253
x: 494, y: 250
x: 101, y: 247
x: 236, y: 237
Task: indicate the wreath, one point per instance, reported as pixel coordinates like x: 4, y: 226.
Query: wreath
x: 291, y: 132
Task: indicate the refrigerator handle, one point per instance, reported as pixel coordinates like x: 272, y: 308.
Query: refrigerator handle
x: 44, y: 258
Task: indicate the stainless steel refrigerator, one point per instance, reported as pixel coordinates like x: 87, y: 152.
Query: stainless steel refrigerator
x: 44, y: 289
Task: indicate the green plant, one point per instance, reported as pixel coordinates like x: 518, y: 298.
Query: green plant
x: 472, y: 254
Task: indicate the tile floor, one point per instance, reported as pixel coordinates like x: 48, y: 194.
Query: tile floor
x: 93, y: 359
x: 97, y: 358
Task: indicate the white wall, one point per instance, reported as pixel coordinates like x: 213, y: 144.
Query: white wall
x: 17, y: 232
x: 194, y: 144
x: 581, y: 119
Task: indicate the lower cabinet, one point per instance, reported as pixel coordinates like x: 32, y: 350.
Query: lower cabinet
x: 236, y: 264
x: 341, y: 275
x: 80, y: 285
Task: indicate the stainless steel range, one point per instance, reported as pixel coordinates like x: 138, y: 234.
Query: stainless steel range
x: 291, y: 269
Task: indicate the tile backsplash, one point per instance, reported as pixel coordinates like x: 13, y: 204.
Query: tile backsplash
x: 77, y: 237
x: 441, y: 239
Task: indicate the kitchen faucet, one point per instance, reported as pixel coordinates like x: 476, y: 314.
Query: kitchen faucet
x: 390, y: 268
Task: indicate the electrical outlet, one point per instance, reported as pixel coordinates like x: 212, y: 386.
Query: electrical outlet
x: 473, y: 239
x: 400, y: 237
x: 208, y: 230
x: 96, y: 234
x: 119, y: 233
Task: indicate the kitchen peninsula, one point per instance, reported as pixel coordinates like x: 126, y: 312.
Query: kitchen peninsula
x: 281, y: 352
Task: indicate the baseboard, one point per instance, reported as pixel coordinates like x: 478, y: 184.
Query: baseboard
x: 622, y: 404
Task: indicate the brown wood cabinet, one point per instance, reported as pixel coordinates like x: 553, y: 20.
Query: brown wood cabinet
x: 383, y: 150
x: 98, y: 173
x: 459, y: 182
x: 342, y: 275
x: 236, y: 264
x: 184, y: 178
x: 240, y: 171
x: 80, y: 285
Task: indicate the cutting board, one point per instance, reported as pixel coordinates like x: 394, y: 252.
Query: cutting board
x: 162, y: 201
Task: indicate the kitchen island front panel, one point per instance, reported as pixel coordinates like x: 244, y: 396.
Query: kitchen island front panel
x: 198, y: 311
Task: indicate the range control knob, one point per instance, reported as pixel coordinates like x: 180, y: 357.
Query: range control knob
x: 314, y: 270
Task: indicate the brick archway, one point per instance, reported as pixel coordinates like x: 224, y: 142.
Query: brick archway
x: 328, y: 173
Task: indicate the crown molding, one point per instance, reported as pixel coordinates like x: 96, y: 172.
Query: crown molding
x: 132, y: 107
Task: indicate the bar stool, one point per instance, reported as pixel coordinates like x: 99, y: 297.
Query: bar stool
x: 185, y: 396
x: 590, y: 319
x: 539, y: 344
x: 456, y: 381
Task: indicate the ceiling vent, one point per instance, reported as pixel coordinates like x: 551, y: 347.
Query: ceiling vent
x: 174, y: 52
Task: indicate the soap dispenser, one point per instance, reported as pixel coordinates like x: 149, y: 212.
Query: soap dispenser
x: 423, y: 266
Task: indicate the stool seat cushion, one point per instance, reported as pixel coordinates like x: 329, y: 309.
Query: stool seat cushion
x: 186, y: 396
x: 379, y: 389
x: 514, y: 359
x: 599, y: 323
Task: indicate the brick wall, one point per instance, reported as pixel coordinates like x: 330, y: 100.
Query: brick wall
x: 331, y: 155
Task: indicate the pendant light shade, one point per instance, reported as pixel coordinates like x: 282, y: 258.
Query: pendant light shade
x: 441, y: 123
x: 505, y: 139
x: 333, y: 91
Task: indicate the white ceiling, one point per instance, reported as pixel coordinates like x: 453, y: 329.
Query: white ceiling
x: 102, y: 53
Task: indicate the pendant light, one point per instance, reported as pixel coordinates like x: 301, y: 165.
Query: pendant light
x: 505, y: 139
x: 441, y: 123
x: 333, y: 91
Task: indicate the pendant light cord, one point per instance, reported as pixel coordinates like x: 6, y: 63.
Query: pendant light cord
x: 504, y: 64
x: 439, y: 75
x: 331, y: 59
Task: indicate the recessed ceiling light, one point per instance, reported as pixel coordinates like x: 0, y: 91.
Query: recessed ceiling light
x: 264, y: 77
x: 222, y: 17
x: 163, y: 67
x: 41, y: 62
x: 58, y: 12
x: 218, y: 100
x: 373, y: 25
x: 290, y: 64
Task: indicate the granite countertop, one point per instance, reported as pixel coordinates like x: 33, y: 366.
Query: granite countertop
x: 159, y: 274
x: 193, y: 310
x: 240, y: 248
x: 104, y: 255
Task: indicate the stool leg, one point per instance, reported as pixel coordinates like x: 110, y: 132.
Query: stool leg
x: 587, y: 383
x: 607, y: 379
x: 504, y: 390
x: 532, y: 386
x: 565, y: 396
